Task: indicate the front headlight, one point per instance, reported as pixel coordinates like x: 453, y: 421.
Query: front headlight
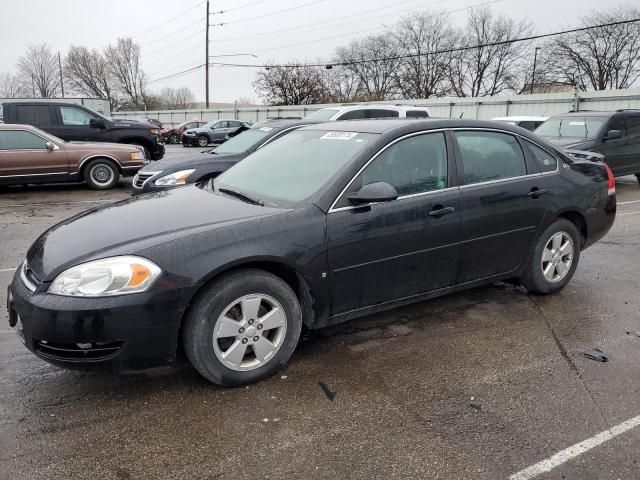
x: 137, y: 155
x: 176, y: 178
x: 106, y: 277
x: 154, y: 131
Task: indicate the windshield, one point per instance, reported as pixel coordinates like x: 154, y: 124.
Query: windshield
x: 323, y: 114
x: 244, y: 141
x: 580, y: 127
x: 295, y: 167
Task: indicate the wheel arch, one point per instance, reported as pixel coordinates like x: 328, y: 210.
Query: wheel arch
x: 579, y: 220
x: 276, y: 266
x: 85, y: 161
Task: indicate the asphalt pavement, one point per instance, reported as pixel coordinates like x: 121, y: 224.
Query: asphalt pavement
x: 487, y: 384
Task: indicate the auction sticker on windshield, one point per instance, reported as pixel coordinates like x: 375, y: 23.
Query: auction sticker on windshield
x: 581, y: 124
x: 338, y: 135
x: 266, y: 129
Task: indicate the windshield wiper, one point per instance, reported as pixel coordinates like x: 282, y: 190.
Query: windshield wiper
x: 242, y: 196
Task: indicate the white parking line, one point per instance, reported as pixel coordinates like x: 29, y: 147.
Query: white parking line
x: 7, y: 270
x: 59, y: 203
x: 628, y: 213
x: 573, y: 451
x: 627, y: 203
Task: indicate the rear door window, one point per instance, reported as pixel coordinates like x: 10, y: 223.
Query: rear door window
x: 489, y: 156
x: 36, y: 115
x: 380, y: 113
x: 21, y: 140
x: 417, y: 114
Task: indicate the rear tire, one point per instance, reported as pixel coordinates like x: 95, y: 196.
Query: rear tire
x: 101, y: 174
x: 243, y: 328
x: 555, y: 258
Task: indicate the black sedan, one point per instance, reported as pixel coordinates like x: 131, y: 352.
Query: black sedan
x: 333, y: 221
x: 168, y: 173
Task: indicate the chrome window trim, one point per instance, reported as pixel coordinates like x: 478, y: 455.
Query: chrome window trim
x: 378, y: 153
x: 413, y: 195
x: 461, y: 187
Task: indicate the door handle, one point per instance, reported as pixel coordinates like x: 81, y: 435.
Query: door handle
x: 537, y: 192
x: 439, y: 211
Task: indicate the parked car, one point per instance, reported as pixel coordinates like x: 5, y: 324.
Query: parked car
x: 73, y: 122
x: 169, y: 173
x: 527, y: 122
x: 174, y: 135
x: 30, y: 155
x: 212, y: 132
x: 333, y: 221
x: 358, y: 112
x: 616, y: 135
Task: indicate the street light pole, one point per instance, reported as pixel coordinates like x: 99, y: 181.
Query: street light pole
x: 535, y: 62
x: 60, y: 70
x: 206, y: 65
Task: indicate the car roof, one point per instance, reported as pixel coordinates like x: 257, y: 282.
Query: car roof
x: 404, y: 125
x: 586, y: 113
x: 284, y: 122
x: 520, y: 118
x: 356, y: 106
x: 16, y: 126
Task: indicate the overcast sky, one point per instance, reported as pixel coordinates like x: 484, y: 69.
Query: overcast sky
x: 313, y: 29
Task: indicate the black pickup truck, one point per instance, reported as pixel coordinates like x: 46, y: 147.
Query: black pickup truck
x: 74, y: 122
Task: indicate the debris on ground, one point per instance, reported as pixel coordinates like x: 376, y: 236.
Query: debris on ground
x: 327, y: 391
x: 597, y: 355
x: 634, y: 333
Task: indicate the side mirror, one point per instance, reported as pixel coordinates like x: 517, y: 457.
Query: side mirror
x: 97, y: 123
x: 373, y: 193
x: 51, y: 146
x: 613, y: 134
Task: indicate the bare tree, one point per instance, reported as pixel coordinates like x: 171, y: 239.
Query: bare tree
x: 124, y: 66
x: 426, y: 37
x: 245, y: 101
x: 374, y: 62
x: 87, y: 72
x: 38, y: 67
x: 342, y: 85
x: 11, y: 86
x: 490, y: 63
x: 293, y: 84
x: 600, y: 58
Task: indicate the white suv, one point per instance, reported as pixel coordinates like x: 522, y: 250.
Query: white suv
x: 354, y: 112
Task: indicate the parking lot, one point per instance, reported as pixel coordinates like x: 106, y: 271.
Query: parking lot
x: 481, y: 384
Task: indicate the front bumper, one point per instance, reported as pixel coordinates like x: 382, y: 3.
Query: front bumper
x: 189, y: 139
x: 157, y: 152
x: 123, y: 333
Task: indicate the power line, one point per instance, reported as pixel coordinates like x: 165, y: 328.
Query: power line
x: 168, y: 21
x: 177, y: 74
x: 367, y: 29
x: 436, y: 52
x: 357, y: 14
x: 270, y: 14
x: 161, y: 49
x: 238, y: 7
x: 176, y: 32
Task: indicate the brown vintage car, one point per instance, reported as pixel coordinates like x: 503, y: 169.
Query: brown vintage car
x: 29, y: 155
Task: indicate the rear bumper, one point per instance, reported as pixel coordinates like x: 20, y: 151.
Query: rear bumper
x: 600, y: 221
x: 124, y: 333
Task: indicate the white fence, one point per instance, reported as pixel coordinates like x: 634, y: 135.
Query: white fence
x: 449, y: 107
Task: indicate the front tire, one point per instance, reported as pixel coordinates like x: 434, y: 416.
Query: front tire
x: 243, y: 328
x: 101, y: 174
x: 173, y: 139
x: 555, y: 258
x: 203, y: 141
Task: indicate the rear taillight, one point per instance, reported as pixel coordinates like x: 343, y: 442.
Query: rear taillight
x: 611, y: 184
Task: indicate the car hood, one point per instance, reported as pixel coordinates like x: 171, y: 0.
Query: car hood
x: 569, y: 142
x: 135, y: 224
x: 192, y: 161
x: 197, y: 130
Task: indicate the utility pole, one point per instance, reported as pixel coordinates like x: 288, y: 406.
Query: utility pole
x: 60, y: 69
x: 535, y: 62
x: 206, y: 64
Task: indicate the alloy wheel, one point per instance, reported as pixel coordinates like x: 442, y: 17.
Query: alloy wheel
x: 557, y: 257
x: 249, y: 332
